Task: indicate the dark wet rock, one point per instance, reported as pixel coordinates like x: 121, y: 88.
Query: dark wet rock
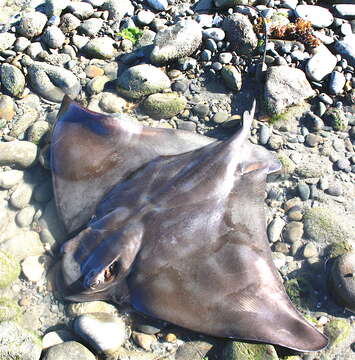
x: 232, y: 77
x: 303, y: 191
x: 320, y: 64
x: 323, y: 225
x: 342, y: 280
x: 240, y: 33
x: 53, y: 37
x: 164, y: 106
x: 177, y: 41
x: 101, y: 48
x: 301, y: 292
x: 18, y: 343
x: 346, y: 47
x: 142, y: 80
x: 70, y: 350
x: 235, y: 350
x: 337, y: 331
x: 12, y: 79
x: 9, y: 269
x: 32, y: 24
x: 159, y: 5
x: 104, y: 332
x: 285, y: 86
x: 53, y: 82
x: 21, y: 154
x: 6, y: 40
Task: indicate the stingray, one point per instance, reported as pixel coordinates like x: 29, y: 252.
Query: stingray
x: 172, y: 223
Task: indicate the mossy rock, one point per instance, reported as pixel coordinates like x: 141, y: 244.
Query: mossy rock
x: 17, y: 343
x: 339, y: 248
x: 244, y: 351
x: 336, y: 119
x: 164, y: 105
x: 9, y: 310
x: 323, y: 225
x: 288, y: 166
x: 337, y: 330
x: 301, y: 292
x: 9, y: 269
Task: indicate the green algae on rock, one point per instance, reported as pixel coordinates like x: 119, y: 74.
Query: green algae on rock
x: 164, y: 105
x: 9, y: 269
x: 17, y: 343
x: 321, y: 224
x: 336, y: 119
x: 9, y: 310
x: 300, y: 292
x: 339, y: 248
x: 235, y: 350
x: 337, y: 330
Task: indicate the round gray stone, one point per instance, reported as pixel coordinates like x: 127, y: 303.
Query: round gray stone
x: 54, y: 37
x: 70, y: 350
x: 336, y: 82
x: 101, y: 48
x: 91, y: 26
x: 21, y: 154
x: 319, y: 16
x: 142, y: 80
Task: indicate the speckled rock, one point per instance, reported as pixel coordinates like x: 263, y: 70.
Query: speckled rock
x: 342, y: 280
x: 19, y: 127
x: 112, y: 103
x: 70, y: 350
x: 9, y: 269
x: 235, y: 350
x: 7, y: 108
x: 76, y: 309
x: 323, y: 225
x: 31, y: 24
x: 336, y: 119
x: 164, y: 106
x: 23, y: 244
x: 12, y: 79
x: 293, y: 231
x: 177, y: 41
x: 21, y: 154
x: 53, y: 37
x: 9, y: 310
x: 100, y: 48
x: 285, y: 86
x: 142, y: 80
x: 6, y: 40
x: 18, y: 343
x: 240, y: 33
x: 97, y: 84
x: 69, y: 23
x: 53, y: 82
x: 38, y: 131
x: 104, y: 332
x: 117, y: 9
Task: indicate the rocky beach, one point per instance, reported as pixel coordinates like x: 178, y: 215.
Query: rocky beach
x: 197, y: 66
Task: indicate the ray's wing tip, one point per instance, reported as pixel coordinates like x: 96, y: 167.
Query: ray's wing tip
x: 248, y: 117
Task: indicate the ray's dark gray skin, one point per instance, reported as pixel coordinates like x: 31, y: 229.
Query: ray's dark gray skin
x: 174, y: 224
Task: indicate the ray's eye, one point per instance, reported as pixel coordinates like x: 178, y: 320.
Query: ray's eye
x: 111, y: 271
